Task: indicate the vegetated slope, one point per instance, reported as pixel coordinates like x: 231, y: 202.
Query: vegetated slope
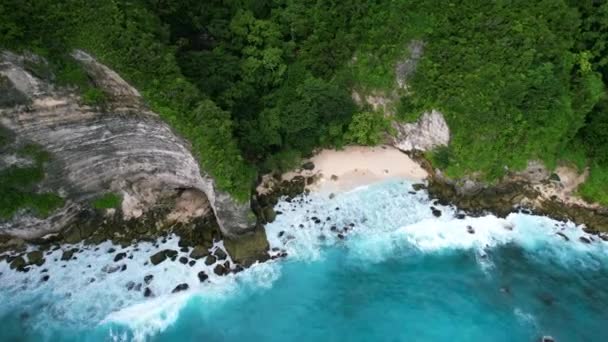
x: 256, y: 84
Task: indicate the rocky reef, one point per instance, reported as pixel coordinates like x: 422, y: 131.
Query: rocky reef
x: 120, y: 147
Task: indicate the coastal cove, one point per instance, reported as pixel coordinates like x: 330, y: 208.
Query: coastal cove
x: 287, y: 170
x: 363, y: 262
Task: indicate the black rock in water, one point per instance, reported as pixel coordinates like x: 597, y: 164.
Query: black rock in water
x: 584, y: 240
x: 148, y: 292
x: 202, y: 276
x: 180, y: 287
x: 45, y: 277
x: 148, y: 278
x: 67, y: 255
x: 210, y: 260
x: 220, y: 270
x: 470, y: 230
x: 191, y: 263
x: 220, y: 254
x: 120, y: 256
x: 161, y: 256
x: 563, y: 235
x: 436, y: 212
x: 183, y: 260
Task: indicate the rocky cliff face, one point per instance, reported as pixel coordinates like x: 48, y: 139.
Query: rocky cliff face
x: 428, y: 132
x: 124, y: 148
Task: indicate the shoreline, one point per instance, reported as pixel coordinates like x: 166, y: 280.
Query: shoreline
x: 352, y: 167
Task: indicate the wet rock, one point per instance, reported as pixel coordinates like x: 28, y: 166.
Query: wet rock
x: 460, y: 216
x: 191, y: 263
x: 45, y: 278
x: 184, y: 249
x: 341, y: 236
x: 111, y: 250
x: 67, y: 255
x: 470, y: 230
x: 281, y: 233
x: 248, y: 248
x: 180, y: 287
x: 120, y: 256
x: 130, y: 285
x: 110, y: 268
x: 17, y: 263
x: 269, y: 214
x: 308, y: 165
x: 418, y: 186
x: 220, y: 270
x: 137, y: 287
x: 123, y: 268
x: 220, y: 254
x: 436, y: 212
x: 148, y: 279
x: 35, y: 258
x: 148, y: 292
x: 210, y: 260
x: 183, y: 260
x: 563, y: 236
x: 161, y: 256
x: 584, y: 240
x: 198, y: 252
x: 202, y: 276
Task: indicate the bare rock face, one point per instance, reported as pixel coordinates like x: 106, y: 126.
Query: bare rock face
x: 124, y: 148
x: 406, y: 68
x: 428, y: 132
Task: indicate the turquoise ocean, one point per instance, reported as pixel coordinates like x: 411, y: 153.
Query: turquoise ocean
x: 372, y: 264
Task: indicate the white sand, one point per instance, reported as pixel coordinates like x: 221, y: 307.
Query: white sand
x: 356, y: 166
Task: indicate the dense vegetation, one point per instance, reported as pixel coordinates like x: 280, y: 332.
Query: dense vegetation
x: 18, y: 183
x: 257, y: 84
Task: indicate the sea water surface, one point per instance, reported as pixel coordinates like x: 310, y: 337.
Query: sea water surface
x: 373, y: 264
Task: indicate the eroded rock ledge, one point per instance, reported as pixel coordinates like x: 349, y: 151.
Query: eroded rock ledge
x: 123, y: 148
x: 516, y: 192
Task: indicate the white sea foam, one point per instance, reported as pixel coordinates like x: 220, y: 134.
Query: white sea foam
x: 382, y: 221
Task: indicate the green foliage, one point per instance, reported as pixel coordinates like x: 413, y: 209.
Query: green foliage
x: 263, y: 82
x: 367, y: 128
x: 218, y: 150
x: 107, y: 201
x: 409, y: 109
x: 595, y: 132
x: 94, y: 97
x: 595, y: 189
x: 282, y: 161
x: 441, y: 157
x: 18, y: 186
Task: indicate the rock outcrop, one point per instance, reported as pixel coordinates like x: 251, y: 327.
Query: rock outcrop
x: 122, y: 148
x: 428, y: 132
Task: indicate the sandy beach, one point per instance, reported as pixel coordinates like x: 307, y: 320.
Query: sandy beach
x: 354, y: 166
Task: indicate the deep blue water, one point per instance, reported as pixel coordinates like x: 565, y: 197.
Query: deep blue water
x: 399, y: 275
